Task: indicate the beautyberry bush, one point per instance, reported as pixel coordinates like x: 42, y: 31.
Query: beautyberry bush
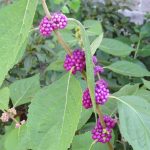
x: 65, y: 86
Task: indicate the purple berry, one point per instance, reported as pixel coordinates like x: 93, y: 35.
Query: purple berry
x: 101, y: 94
x: 110, y: 122
x: 98, y: 69
x: 101, y: 134
x: 76, y: 60
x: 59, y: 21
x: 94, y: 60
x: 86, y: 99
x: 103, y: 82
x: 45, y: 27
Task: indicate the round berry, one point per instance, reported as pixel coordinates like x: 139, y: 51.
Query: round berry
x: 59, y: 21
x: 12, y: 111
x: 45, y: 27
x: 98, y: 70
x: 110, y: 122
x: 18, y: 125
x: 94, y: 60
x: 101, y: 93
x: 101, y: 134
x: 86, y: 99
x: 5, y: 117
x: 102, y: 82
x: 75, y: 61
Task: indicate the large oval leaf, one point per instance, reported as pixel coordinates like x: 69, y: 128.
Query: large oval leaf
x: 115, y: 47
x: 128, y: 69
x: 15, y: 24
x: 54, y: 115
x: 134, y: 118
x: 23, y: 91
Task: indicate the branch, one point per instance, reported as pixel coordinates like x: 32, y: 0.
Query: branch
x: 59, y: 38
x: 68, y: 50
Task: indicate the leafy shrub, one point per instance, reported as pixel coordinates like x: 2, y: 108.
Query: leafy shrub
x: 44, y: 102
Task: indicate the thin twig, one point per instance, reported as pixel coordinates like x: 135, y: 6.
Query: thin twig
x: 100, y: 115
x: 59, y: 38
x: 137, y: 48
x: 46, y: 9
x: 62, y: 42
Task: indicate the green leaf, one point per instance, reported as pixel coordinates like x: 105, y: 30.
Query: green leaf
x: 4, y: 98
x: 115, y: 47
x: 16, y: 138
x: 128, y: 69
x: 85, y: 115
x: 146, y: 83
x: 143, y: 93
x: 89, y: 62
x: 15, y: 31
x: 23, y: 91
x: 56, y: 66
x: 68, y: 37
x: 93, y: 27
x: 54, y: 115
x: 58, y: 1
x: 127, y: 90
x: 111, y: 106
x: 145, y: 30
x: 145, y: 51
x: 134, y: 118
x: 74, y: 4
x: 96, y: 43
x: 65, y: 9
x: 84, y: 142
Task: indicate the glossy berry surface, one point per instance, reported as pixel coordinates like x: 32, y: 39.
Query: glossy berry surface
x: 45, y: 27
x: 110, y: 122
x: 101, y: 134
x: 86, y: 99
x: 98, y: 70
x: 59, y: 21
x: 101, y: 94
x: 75, y: 61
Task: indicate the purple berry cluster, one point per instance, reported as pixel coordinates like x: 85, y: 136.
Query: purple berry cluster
x: 101, y: 134
x: 110, y: 122
x: 86, y: 99
x: 75, y: 61
x: 57, y: 21
x: 101, y: 94
x: 97, y: 69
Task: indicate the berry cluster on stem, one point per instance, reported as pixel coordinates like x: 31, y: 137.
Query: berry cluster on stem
x: 10, y: 114
x: 75, y: 61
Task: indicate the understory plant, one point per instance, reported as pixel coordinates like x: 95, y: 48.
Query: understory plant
x: 79, y: 109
